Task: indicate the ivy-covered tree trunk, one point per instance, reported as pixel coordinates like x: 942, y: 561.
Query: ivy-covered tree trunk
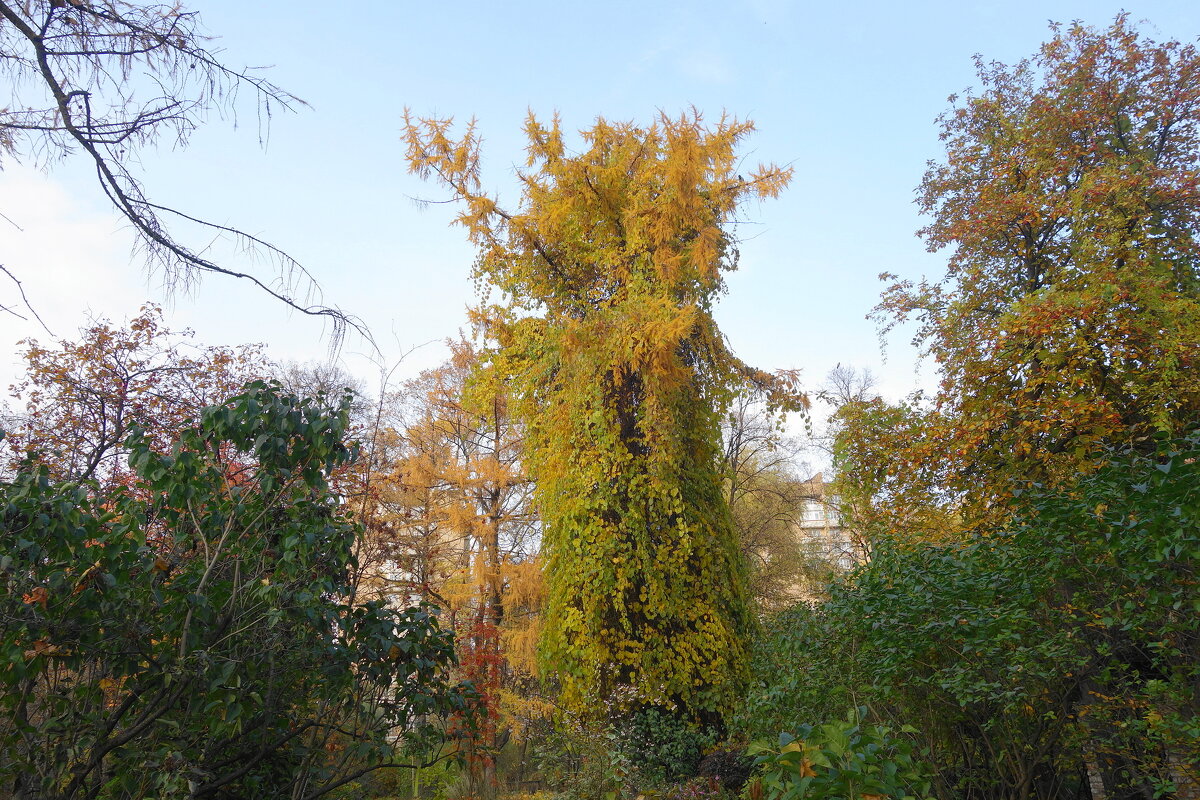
x: 648, y: 601
x: 611, y: 265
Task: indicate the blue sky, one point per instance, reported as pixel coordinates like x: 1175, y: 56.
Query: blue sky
x: 846, y: 93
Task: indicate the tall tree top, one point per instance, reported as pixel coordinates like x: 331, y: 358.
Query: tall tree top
x: 637, y: 221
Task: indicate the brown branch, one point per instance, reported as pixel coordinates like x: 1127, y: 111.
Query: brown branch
x: 24, y: 299
x: 170, y: 51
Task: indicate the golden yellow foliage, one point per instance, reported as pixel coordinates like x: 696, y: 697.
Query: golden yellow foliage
x: 611, y: 265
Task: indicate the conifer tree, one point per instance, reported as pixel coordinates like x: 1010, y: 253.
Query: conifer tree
x: 611, y: 265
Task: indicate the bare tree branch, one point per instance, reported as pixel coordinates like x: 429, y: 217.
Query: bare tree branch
x: 118, y: 75
x: 24, y: 300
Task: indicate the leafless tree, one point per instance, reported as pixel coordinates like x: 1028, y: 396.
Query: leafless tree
x: 846, y: 384
x: 767, y: 492
x: 843, y: 386
x: 331, y: 379
x: 107, y: 77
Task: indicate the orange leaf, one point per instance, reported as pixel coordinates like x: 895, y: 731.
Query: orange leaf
x: 39, y: 596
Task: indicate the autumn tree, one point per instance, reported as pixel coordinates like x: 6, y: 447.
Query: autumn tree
x: 80, y: 399
x: 611, y: 264
x: 466, y: 414
x: 103, y: 79
x: 1066, y: 331
x: 884, y: 491
x: 467, y: 535
x: 1069, y: 314
x: 881, y: 494
x: 452, y: 460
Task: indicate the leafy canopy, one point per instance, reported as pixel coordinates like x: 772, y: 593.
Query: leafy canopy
x: 1069, y: 315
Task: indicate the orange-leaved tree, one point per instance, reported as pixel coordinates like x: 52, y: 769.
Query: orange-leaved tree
x: 611, y: 264
x: 82, y: 398
x: 1069, y: 316
x: 455, y: 513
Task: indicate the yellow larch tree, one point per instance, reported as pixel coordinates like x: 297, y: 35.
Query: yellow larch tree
x: 610, y: 266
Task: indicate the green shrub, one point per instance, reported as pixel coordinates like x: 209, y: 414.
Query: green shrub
x: 662, y: 747
x: 836, y: 761
x: 583, y: 761
x: 1069, y: 632
x: 191, y: 633
x: 802, y: 667
x: 646, y: 751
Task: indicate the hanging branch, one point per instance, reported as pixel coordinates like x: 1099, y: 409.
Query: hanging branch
x: 120, y: 75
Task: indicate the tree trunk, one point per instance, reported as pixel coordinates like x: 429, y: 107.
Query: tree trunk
x: 1095, y: 779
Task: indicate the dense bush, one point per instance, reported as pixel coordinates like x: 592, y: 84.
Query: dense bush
x: 661, y: 746
x: 583, y: 761
x: 1058, y: 649
x: 802, y: 670
x: 632, y: 753
x: 193, y: 634
x: 845, y: 759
